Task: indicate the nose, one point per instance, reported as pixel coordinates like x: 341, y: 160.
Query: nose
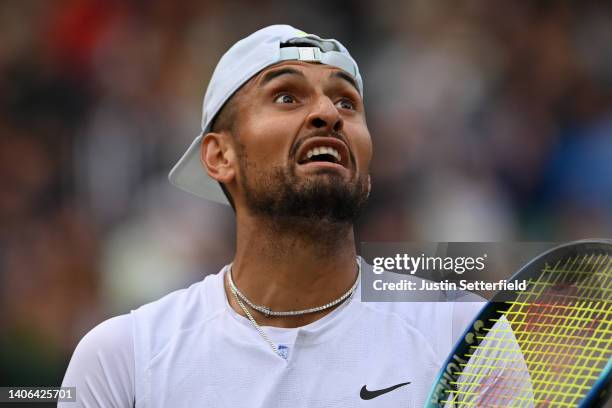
x: 325, y: 115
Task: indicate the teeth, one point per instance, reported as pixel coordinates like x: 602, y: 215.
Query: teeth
x: 323, y: 150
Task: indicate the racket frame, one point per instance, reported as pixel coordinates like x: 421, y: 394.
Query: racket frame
x: 496, y: 308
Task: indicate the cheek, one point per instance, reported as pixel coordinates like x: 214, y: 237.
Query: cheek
x: 362, y: 143
x: 268, y: 138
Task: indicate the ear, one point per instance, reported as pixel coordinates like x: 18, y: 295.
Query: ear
x: 218, y: 157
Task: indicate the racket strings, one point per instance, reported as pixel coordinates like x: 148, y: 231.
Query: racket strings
x: 549, y: 347
x: 551, y: 344
x: 587, y: 280
x: 581, y: 350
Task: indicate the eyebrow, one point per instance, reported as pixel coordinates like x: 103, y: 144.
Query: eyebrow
x: 270, y: 75
x: 346, y: 77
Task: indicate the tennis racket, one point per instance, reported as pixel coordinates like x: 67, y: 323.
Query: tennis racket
x: 547, y: 346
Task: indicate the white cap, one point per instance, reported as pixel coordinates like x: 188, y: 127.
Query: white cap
x: 239, y: 64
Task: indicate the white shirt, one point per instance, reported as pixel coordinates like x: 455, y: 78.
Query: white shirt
x: 191, y: 349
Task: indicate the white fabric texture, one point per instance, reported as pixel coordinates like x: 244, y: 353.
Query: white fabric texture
x: 191, y: 348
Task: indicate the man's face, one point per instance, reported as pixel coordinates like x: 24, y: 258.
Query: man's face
x: 302, y: 143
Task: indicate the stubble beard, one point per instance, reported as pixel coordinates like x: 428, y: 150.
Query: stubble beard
x: 323, y: 203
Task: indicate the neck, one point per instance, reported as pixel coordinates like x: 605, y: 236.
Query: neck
x: 292, y: 265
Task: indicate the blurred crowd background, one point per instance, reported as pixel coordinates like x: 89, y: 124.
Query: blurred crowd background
x: 491, y: 121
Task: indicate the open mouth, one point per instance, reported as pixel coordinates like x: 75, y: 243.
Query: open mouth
x: 321, y: 154
x: 325, y: 151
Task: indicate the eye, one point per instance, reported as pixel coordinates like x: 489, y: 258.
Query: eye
x: 284, y: 98
x: 345, y: 104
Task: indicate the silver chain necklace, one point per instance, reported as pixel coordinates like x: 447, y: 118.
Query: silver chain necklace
x: 239, y: 297
x: 268, y: 312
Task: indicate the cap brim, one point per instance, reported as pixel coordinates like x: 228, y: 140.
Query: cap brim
x: 190, y: 175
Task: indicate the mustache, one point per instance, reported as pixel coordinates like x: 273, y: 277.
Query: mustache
x: 321, y: 133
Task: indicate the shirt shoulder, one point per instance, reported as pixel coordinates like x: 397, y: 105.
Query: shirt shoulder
x: 102, y: 366
x: 107, y: 365
x: 157, y: 322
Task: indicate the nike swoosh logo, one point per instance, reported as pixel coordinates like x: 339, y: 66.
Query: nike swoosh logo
x: 365, y: 394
